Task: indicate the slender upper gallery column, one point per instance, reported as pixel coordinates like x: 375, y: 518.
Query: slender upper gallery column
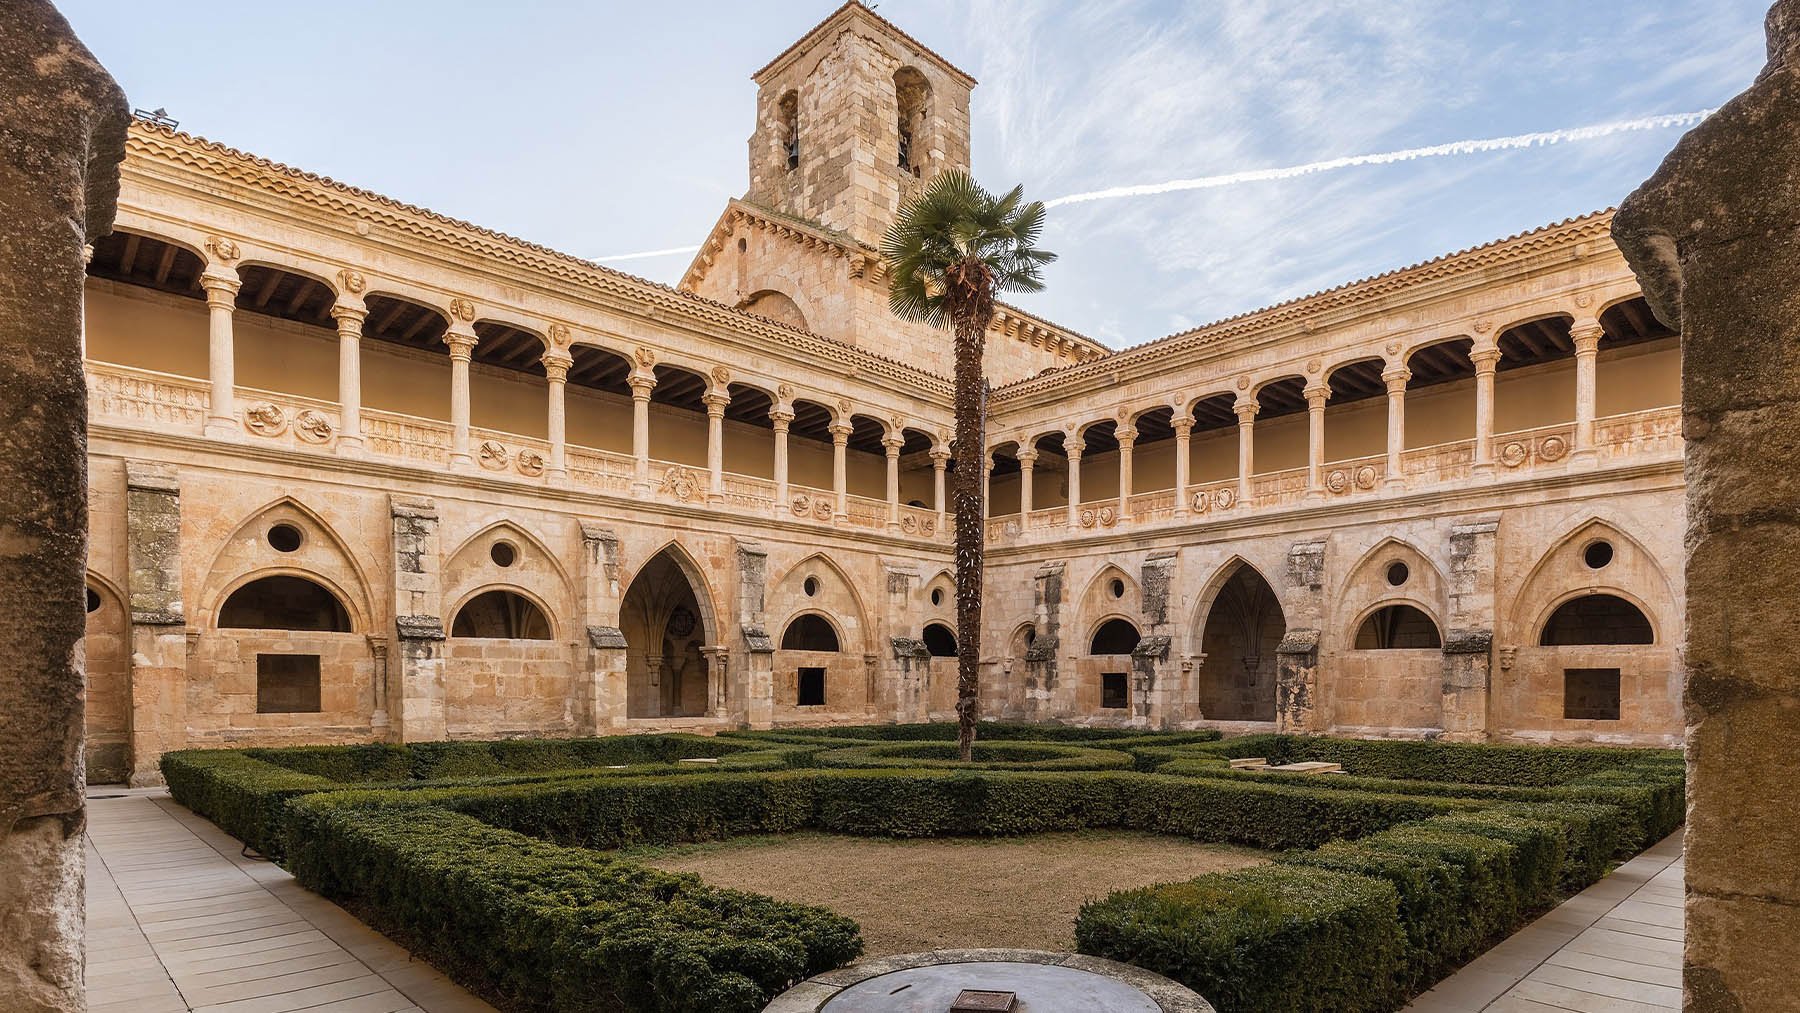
x: 1486, y: 360
x: 1246, y: 409
x: 1184, y: 434
x: 781, y: 416
x: 220, y: 280
x: 1073, y: 446
x: 1586, y: 336
x: 1027, y: 466
x: 716, y: 400
x: 349, y: 316
x: 462, y: 341
x: 840, y: 481
x: 891, y: 444
x: 939, y: 459
x: 1316, y: 396
x: 556, y: 371
x: 987, y: 483
x: 1127, y: 439
x: 642, y: 381
x: 1396, y: 376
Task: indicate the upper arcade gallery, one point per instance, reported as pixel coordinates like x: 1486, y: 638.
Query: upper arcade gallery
x: 682, y: 476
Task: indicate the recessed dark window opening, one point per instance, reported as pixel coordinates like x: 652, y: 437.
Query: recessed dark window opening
x: 1591, y: 694
x: 1115, y: 636
x: 939, y: 641
x: 1397, y: 627
x: 810, y: 632
x: 811, y: 587
x: 93, y: 601
x: 503, y: 554
x: 501, y: 615
x: 1115, y: 693
x: 1397, y: 573
x: 287, y: 684
x: 1597, y: 554
x: 284, y: 602
x: 1603, y: 619
x: 1117, y: 588
x: 285, y: 538
x: 937, y: 596
x: 812, y: 687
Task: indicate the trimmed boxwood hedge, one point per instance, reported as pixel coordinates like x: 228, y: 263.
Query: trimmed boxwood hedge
x: 985, y: 756
x: 479, y: 855
x: 946, y: 731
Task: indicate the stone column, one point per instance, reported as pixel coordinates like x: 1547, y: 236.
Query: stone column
x: 1486, y: 359
x: 349, y: 316
x: 1246, y: 413
x: 1127, y: 436
x: 1395, y: 376
x: 1712, y: 240
x: 987, y: 482
x: 891, y: 444
x: 1469, y: 639
x: 1586, y: 335
x: 1073, y: 446
x: 718, y: 669
x: 1316, y: 396
x: 715, y: 399
x: 1041, y: 666
x: 220, y: 280
x: 642, y: 381
x: 65, y: 124
x: 1297, y: 656
x: 1184, y: 432
x: 781, y: 417
x: 159, y: 646
x: 755, y: 680
x: 556, y: 376
x: 600, y: 694
x: 840, y: 478
x: 462, y: 340
x: 939, y: 459
x: 1027, y: 466
x: 417, y: 675
x: 1158, y: 697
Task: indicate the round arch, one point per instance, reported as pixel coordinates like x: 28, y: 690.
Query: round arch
x: 811, y: 630
x: 283, y: 599
x: 1397, y: 623
x: 501, y: 612
x: 1113, y: 635
x: 1632, y: 619
x: 940, y: 640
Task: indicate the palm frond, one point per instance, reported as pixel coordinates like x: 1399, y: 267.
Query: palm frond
x: 950, y: 221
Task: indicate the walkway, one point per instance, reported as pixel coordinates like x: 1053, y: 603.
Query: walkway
x: 178, y: 920
x: 1613, y: 948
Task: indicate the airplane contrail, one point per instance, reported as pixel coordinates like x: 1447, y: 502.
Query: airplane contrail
x: 1472, y: 147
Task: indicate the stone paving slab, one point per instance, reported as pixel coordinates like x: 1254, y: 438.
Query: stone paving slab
x: 179, y: 920
x: 1613, y: 948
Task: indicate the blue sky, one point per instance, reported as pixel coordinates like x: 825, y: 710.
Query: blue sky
x: 612, y: 128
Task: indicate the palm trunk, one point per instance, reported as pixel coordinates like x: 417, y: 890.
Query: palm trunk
x: 970, y: 300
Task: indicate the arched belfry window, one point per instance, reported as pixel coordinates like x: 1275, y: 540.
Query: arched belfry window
x: 789, y: 110
x: 501, y: 615
x: 912, y: 95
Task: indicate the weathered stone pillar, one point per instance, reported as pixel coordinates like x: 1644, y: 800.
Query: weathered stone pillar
x: 462, y: 341
x: 1469, y: 637
x: 1297, y: 657
x: 890, y: 445
x: 1246, y: 410
x: 1157, y: 694
x: 1073, y: 446
x: 755, y: 682
x: 556, y: 377
x: 1027, y: 468
x: 781, y: 417
x: 1040, y: 657
x: 220, y: 282
x: 1712, y: 237
x: 600, y: 693
x: 349, y: 315
x: 716, y: 399
x: 940, y: 458
x: 416, y: 674
x: 1585, y: 334
x: 1486, y: 358
x: 159, y: 645
x: 1127, y: 436
x: 907, y: 695
x: 64, y: 136
x: 1316, y: 396
x: 1395, y: 376
x: 1184, y: 432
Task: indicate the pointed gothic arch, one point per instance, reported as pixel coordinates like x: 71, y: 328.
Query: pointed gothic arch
x: 669, y: 623
x: 1631, y: 571
x: 255, y: 549
x: 1240, y: 626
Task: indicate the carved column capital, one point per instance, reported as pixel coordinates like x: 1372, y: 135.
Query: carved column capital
x: 1246, y: 409
x: 556, y: 364
x: 221, y: 284
x: 349, y: 317
x: 1026, y: 458
x: 641, y: 382
x: 1586, y: 335
x: 1182, y: 424
x: 1395, y: 377
x: 1316, y: 395
x: 462, y: 344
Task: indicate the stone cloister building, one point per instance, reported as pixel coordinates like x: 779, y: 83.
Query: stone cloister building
x: 361, y: 472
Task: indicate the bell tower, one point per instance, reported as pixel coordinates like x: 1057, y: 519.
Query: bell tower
x: 851, y: 119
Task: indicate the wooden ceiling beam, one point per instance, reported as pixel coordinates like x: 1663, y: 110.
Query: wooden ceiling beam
x: 267, y: 288
x: 128, y: 259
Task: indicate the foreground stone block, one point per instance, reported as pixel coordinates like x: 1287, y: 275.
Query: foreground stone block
x: 62, y: 137
x: 1715, y: 237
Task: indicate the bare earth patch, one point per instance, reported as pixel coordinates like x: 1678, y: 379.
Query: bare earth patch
x: 956, y: 892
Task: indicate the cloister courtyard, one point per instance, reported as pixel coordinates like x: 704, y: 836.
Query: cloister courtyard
x: 397, y: 614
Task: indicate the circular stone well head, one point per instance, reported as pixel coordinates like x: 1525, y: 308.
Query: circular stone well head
x: 1036, y: 981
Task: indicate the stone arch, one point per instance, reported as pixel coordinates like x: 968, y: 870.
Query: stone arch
x: 1023, y: 637
x: 1098, y: 599
x: 107, y: 642
x: 260, y: 601
x: 1396, y: 624
x: 1239, y: 624
x: 912, y: 99
x: 1110, y: 635
x: 323, y: 556
x: 1561, y: 573
x: 1367, y: 585
x: 837, y: 596
x: 812, y: 631
x: 771, y: 304
x: 1596, y: 618
x: 944, y: 584
x: 940, y: 640
x: 509, y: 612
x: 670, y: 621
x: 534, y: 568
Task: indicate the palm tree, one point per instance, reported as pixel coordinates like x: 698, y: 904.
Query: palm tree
x: 951, y: 247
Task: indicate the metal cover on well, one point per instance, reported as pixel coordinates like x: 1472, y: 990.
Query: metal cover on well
x: 971, y: 1000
